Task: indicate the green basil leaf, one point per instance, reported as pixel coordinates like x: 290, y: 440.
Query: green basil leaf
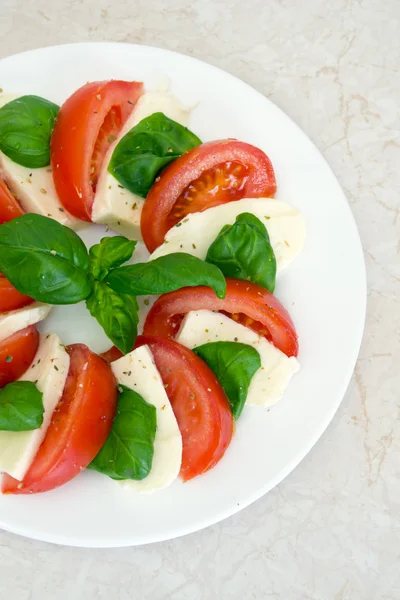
x: 146, y: 149
x: 116, y: 313
x: 166, y: 274
x: 45, y: 260
x: 21, y: 407
x: 243, y: 251
x: 234, y: 365
x: 110, y: 253
x: 253, y: 221
x: 26, y: 125
x: 129, y: 449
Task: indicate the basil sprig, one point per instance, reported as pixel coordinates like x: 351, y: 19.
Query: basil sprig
x: 49, y: 262
x: 234, y: 365
x: 26, y: 125
x: 111, y: 252
x: 243, y: 250
x: 116, y: 313
x: 45, y: 260
x: 167, y: 274
x: 21, y: 407
x: 146, y: 149
x: 113, y: 301
x: 129, y: 449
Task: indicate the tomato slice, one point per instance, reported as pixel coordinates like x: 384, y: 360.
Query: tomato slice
x: 9, y: 207
x: 79, y: 426
x: 17, y: 353
x: 199, y: 403
x: 211, y: 174
x: 245, y: 302
x: 86, y: 125
x: 10, y: 298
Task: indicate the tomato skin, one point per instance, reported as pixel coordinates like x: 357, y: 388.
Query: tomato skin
x: 22, y: 346
x: 10, y: 298
x: 259, y: 182
x: 79, y: 427
x: 9, y: 207
x: 81, y: 135
x: 199, y: 403
x: 112, y: 354
x: 248, y: 299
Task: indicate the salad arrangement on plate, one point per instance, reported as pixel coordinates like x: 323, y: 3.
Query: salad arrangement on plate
x: 198, y: 334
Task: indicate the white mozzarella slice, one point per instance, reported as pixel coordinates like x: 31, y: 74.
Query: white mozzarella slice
x: 48, y: 371
x: 34, y: 188
x: 15, y: 320
x: 196, y: 232
x: 35, y: 191
x: 114, y: 205
x: 158, y: 101
x: 270, y: 381
x: 138, y: 372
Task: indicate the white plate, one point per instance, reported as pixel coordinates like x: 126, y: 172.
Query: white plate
x: 324, y: 289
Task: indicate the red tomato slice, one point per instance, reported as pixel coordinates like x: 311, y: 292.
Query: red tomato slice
x: 211, y: 174
x: 79, y: 426
x: 85, y: 127
x: 245, y: 302
x: 10, y: 298
x: 17, y: 353
x: 199, y: 403
x: 9, y: 207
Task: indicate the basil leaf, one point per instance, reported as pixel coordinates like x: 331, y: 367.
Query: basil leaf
x: 253, y: 221
x: 21, y: 407
x: 116, y: 313
x: 243, y: 251
x: 110, y: 253
x: 234, y: 365
x: 26, y: 125
x: 44, y: 259
x: 146, y: 149
x: 166, y: 274
x: 129, y: 448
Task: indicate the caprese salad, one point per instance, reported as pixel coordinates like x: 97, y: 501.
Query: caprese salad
x: 197, y: 333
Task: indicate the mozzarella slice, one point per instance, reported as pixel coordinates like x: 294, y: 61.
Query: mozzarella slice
x: 138, y: 372
x: 35, y: 191
x: 114, y: 205
x: 270, y: 381
x: 15, y: 320
x: 34, y: 188
x: 196, y: 232
x: 48, y: 371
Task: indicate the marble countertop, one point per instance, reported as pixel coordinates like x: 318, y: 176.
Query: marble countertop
x: 331, y: 530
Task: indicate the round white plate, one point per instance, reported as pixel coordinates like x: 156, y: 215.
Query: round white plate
x: 324, y: 289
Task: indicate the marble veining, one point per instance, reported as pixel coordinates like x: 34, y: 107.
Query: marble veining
x: 331, y: 530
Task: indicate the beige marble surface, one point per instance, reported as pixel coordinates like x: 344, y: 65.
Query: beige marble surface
x: 330, y: 531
